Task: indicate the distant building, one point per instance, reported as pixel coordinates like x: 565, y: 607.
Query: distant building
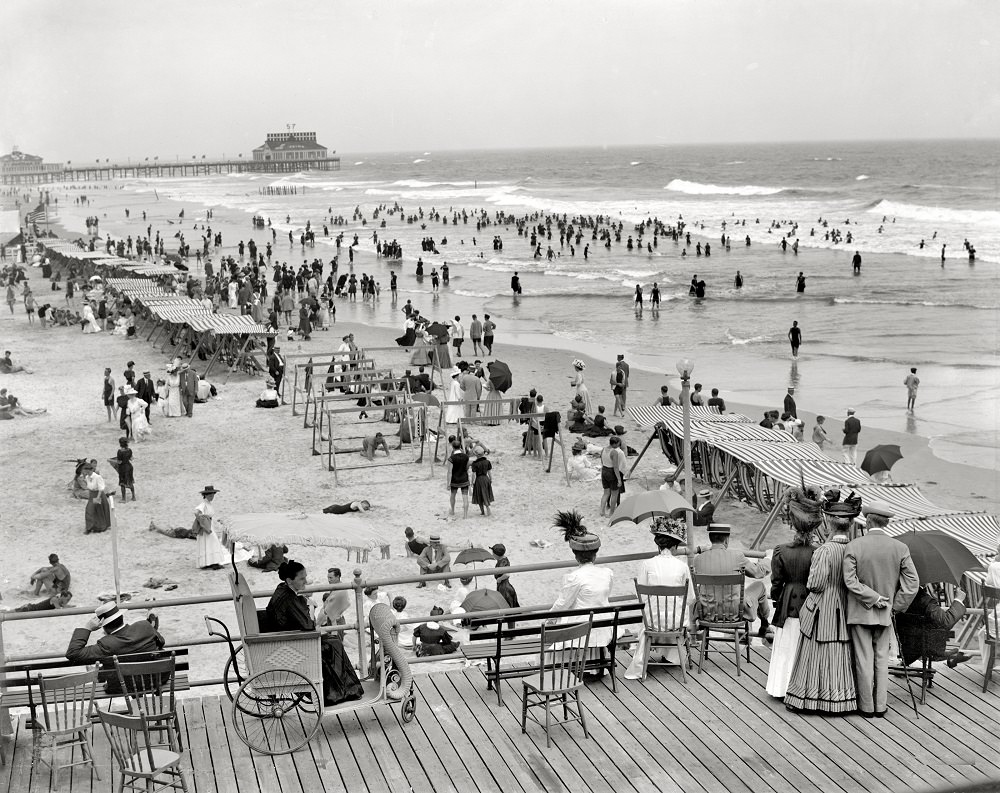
x: 20, y: 168
x: 284, y: 146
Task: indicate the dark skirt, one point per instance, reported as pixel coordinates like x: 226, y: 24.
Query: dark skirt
x: 506, y: 590
x: 340, y: 681
x: 126, y: 474
x: 97, y: 514
x: 482, y: 491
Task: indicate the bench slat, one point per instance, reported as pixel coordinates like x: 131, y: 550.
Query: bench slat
x: 20, y: 699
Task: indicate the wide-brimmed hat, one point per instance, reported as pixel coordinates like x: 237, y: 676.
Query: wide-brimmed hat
x: 455, y: 371
x: 664, y: 526
x: 210, y: 490
x: 580, y: 446
x: 578, y: 364
x: 129, y: 391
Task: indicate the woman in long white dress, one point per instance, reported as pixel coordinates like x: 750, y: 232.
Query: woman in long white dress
x: 172, y: 404
x: 89, y: 320
x: 454, y: 412
x: 137, y: 412
x: 211, y: 553
x: 581, y: 388
x: 494, y: 404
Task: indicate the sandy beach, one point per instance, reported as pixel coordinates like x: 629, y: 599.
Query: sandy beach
x: 261, y: 461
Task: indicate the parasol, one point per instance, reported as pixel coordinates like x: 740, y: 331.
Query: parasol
x: 881, y: 458
x: 500, y: 377
x: 484, y: 600
x: 427, y: 398
x: 473, y: 555
x: 298, y: 528
x: 938, y: 557
x: 438, y: 331
x: 311, y: 301
x: 648, y: 504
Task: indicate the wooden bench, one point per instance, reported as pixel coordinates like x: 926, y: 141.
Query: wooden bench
x: 21, y: 679
x: 491, y: 641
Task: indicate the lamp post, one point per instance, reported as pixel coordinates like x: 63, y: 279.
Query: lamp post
x: 684, y: 368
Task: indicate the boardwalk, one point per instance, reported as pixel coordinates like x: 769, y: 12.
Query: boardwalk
x: 717, y: 734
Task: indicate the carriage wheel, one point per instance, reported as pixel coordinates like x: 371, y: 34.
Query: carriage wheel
x: 233, y: 678
x: 409, y: 709
x: 277, y: 712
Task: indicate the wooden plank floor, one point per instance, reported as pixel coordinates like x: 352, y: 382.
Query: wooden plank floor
x: 718, y: 733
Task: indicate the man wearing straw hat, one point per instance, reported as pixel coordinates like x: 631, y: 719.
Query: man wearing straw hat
x: 120, y: 638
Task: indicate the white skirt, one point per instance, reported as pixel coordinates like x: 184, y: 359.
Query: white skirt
x: 786, y: 643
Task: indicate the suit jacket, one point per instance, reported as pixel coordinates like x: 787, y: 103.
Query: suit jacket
x: 724, y: 561
x: 146, y: 390
x: 189, y: 382
x: 790, y: 407
x: 275, y: 365
x: 136, y: 637
x: 852, y: 428
x: 925, y: 606
x: 875, y: 566
x: 434, y: 555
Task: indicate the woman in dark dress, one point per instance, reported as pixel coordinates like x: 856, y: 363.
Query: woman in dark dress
x: 482, y: 485
x: 433, y: 638
x: 789, y: 574
x: 504, y: 587
x: 126, y: 474
x: 289, y: 611
x: 305, y: 326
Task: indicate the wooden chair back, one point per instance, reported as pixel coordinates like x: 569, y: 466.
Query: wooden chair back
x: 67, y: 701
x: 665, y: 608
x: 991, y: 612
x: 720, y: 598
x: 563, y: 655
x: 129, y: 739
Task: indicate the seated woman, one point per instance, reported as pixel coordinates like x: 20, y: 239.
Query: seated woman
x: 576, y: 420
x: 289, y: 611
x: 433, y: 638
x: 269, y: 396
x: 599, y: 428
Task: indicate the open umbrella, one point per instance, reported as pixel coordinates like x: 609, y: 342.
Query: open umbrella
x: 484, y: 600
x: 473, y: 555
x: 938, y: 557
x: 500, y: 376
x: 312, y: 302
x: 649, y: 504
x: 428, y: 399
x: 438, y: 331
x: 881, y: 458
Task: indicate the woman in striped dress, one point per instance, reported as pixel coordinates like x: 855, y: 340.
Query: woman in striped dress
x: 823, y: 675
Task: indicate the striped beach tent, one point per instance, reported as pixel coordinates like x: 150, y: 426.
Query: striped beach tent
x: 977, y: 531
x: 223, y: 324
x: 648, y: 415
x: 906, y: 500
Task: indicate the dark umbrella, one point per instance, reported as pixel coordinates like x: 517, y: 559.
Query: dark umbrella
x: 438, y: 331
x: 484, y: 600
x: 312, y: 301
x: 881, y: 458
x: 649, y: 504
x: 472, y: 555
x: 938, y: 557
x: 428, y: 399
x: 500, y: 376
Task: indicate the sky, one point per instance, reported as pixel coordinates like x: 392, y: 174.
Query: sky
x: 88, y: 79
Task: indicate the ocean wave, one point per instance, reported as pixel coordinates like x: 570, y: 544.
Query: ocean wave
x: 493, y: 193
x: 933, y: 214
x: 419, y: 160
x: 420, y: 183
x: 737, y: 162
x: 635, y: 162
x: 929, y: 303
x: 697, y: 188
x: 861, y: 177
x: 825, y: 159
x: 749, y: 340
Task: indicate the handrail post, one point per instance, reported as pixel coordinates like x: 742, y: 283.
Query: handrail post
x: 359, y: 618
x: 6, y: 728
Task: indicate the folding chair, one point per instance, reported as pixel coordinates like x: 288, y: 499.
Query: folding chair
x: 664, y: 622
x: 991, y: 618
x: 562, y: 658
x: 148, y: 687
x: 720, y: 608
x: 67, y: 702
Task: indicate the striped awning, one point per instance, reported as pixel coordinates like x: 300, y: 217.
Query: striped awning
x: 717, y: 431
x: 156, y: 269
x: 906, y: 500
x: 228, y: 325
x: 648, y: 415
x: 166, y: 301
x: 977, y: 531
x: 753, y: 451
x: 815, y: 473
x: 172, y: 313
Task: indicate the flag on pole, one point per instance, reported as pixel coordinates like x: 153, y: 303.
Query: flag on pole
x: 38, y: 216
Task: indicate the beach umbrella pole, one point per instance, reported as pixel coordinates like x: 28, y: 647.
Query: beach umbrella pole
x: 114, y: 549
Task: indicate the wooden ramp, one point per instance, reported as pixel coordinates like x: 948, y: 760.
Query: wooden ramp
x: 718, y: 733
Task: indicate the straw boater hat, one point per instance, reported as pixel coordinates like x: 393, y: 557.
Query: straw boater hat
x: 575, y: 533
x: 108, y: 615
x: 669, y: 527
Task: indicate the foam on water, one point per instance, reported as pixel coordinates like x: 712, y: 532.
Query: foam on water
x: 695, y: 188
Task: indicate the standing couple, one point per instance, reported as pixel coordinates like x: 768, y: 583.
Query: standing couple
x: 182, y: 389
x: 846, y: 621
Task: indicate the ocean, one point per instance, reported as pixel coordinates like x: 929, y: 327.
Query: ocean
x: 861, y: 333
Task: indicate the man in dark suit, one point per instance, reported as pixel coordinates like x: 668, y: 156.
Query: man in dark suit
x: 880, y: 579
x: 189, y: 389
x: 852, y: 428
x: 120, y: 638
x: 146, y: 390
x: 790, y: 403
x: 276, y: 368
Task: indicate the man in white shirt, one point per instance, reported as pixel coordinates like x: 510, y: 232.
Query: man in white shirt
x: 457, y: 335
